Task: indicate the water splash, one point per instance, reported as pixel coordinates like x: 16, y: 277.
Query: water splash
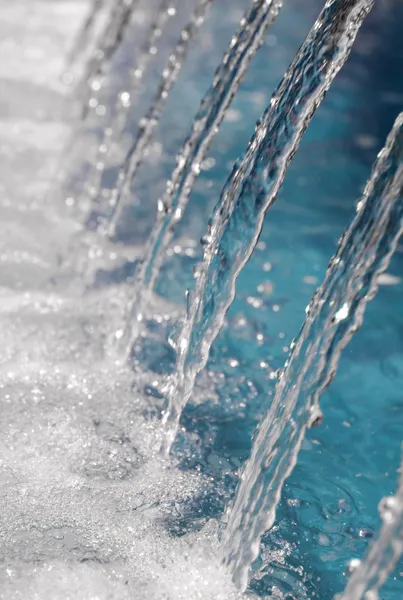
x: 333, y: 316
x: 252, y: 188
x: 126, y: 98
x: 149, y: 123
x: 228, y: 77
x: 370, y: 575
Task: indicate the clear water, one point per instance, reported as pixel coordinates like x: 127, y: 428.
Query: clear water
x: 84, y: 507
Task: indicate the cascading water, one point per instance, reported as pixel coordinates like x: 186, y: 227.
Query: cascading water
x: 115, y: 129
x: 109, y: 40
x: 88, y: 507
x: 253, y: 187
x: 150, y: 121
x: 89, y: 85
x: 226, y: 82
x: 333, y: 316
x: 84, y: 35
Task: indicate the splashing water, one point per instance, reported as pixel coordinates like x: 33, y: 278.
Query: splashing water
x: 227, y: 79
x: 148, y: 124
x: 252, y: 188
x: 333, y: 316
x: 369, y: 576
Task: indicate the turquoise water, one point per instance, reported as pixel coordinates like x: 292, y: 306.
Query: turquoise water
x: 328, y: 513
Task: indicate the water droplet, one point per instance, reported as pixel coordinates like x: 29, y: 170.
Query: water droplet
x: 387, y: 508
x: 316, y: 417
x: 205, y: 240
x: 125, y: 99
x: 353, y: 565
x: 342, y: 313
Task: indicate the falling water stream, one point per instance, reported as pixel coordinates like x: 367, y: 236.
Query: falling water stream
x: 228, y: 77
x: 109, y: 39
x: 89, y: 507
x: 252, y: 188
x: 115, y: 129
x: 333, y: 316
x: 148, y: 124
x: 82, y: 40
x: 370, y: 574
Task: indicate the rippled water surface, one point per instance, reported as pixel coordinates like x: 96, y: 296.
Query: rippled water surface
x: 86, y: 508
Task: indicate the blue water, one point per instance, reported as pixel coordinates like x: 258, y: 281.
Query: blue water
x: 328, y: 513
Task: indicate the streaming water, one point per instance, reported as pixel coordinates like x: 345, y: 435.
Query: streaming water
x: 370, y: 575
x: 333, y: 316
x: 88, y: 509
x: 81, y: 41
x: 252, y: 188
x: 242, y: 48
x: 108, y: 41
x: 148, y: 124
x: 126, y: 98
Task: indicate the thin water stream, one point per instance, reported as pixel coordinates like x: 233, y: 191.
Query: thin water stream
x: 121, y: 193
x: 127, y: 98
x: 108, y: 41
x: 370, y: 574
x: 82, y: 39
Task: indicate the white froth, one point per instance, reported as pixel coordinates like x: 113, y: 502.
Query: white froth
x: 85, y: 503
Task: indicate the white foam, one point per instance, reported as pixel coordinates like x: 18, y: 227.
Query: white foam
x: 86, y: 505
x: 158, y: 567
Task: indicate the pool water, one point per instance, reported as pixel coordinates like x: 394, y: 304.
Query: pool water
x: 328, y: 513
